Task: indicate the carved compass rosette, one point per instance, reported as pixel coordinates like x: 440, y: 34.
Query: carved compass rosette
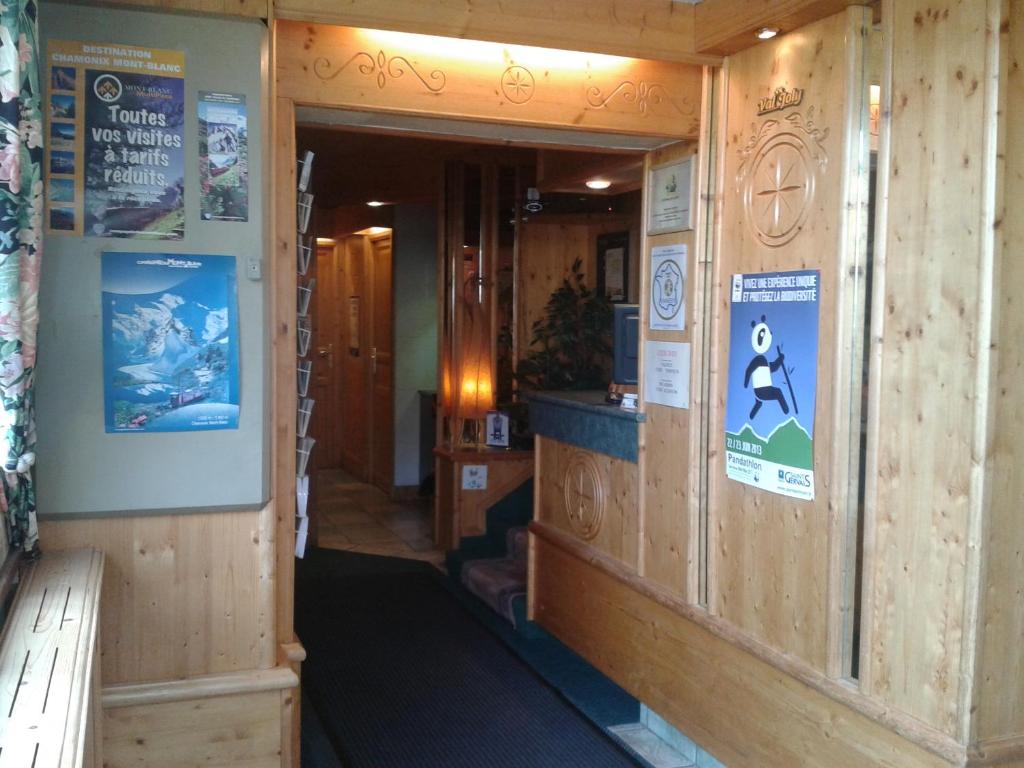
x: 780, y: 167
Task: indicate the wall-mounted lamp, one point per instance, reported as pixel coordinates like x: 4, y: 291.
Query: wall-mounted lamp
x: 767, y: 33
x: 598, y: 183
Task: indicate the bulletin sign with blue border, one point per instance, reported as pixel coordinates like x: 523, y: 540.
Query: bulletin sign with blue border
x: 773, y: 371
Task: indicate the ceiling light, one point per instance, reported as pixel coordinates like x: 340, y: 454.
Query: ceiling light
x: 598, y: 183
x: 767, y: 33
x: 375, y: 203
x: 325, y: 241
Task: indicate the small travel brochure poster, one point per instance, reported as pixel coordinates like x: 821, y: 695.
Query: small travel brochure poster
x: 773, y: 365
x: 223, y: 157
x: 170, y: 342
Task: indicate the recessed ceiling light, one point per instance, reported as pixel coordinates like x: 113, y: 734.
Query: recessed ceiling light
x: 375, y: 203
x: 767, y: 33
x: 598, y: 183
x: 325, y: 241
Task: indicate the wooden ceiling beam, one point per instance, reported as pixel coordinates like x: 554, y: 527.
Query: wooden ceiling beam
x: 250, y: 9
x: 724, y: 27
x: 646, y: 29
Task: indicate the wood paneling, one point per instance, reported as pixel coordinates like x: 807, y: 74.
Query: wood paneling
x: 645, y: 28
x: 733, y: 704
x: 769, y: 555
x: 283, y: 260
x: 386, y: 72
x: 616, y: 535
x: 931, y: 340
x: 728, y: 26
x: 548, y: 246
x: 669, y: 544
x: 999, y: 674
x: 459, y: 512
x: 225, y: 731
x: 256, y: 9
x: 183, y: 595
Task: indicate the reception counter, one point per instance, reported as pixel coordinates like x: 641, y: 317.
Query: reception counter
x: 586, y: 478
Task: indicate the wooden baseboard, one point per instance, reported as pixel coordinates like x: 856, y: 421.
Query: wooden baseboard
x: 1005, y: 752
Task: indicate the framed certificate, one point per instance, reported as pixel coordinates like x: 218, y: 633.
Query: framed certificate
x: 670, y: 188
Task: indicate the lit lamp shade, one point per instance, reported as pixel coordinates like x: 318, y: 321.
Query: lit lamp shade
x: 476, y: 390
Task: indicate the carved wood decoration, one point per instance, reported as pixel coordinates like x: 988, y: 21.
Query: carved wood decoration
x: 452, y: 78
x: 590, y: 496
x: 584, y: 493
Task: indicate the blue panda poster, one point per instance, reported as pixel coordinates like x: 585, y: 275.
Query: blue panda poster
x: 773, y: 371
x: 170, y: 342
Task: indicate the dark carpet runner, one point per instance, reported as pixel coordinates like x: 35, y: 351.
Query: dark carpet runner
x: 402, y: 676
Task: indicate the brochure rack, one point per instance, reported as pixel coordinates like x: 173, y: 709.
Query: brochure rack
x: 304, y: 333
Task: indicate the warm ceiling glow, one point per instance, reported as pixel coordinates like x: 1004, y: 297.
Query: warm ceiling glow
x: 598, y: 183
x: 325, y: 241
x: 482, y: 51
x: 373, y: 231
x: 374, y: 203
x: 767, y: 33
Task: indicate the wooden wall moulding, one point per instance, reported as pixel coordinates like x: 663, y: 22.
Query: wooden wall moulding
x: 395, y: 72
x: 651, y: 29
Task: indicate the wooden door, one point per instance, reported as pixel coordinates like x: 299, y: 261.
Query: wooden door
x: 352, y: 360
x: 325, y: 389
x: 381, y: 369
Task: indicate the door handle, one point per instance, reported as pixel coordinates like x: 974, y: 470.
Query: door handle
x: 373, y: 360
x: 326, y: 353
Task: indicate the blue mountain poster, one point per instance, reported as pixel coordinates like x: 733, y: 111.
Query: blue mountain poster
x: 170, y: 342
x: 773, y: 371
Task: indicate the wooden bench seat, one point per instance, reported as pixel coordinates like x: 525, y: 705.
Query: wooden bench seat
x: 49, y: 665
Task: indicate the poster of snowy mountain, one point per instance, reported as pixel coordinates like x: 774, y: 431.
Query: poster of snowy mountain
x: 170, y: 342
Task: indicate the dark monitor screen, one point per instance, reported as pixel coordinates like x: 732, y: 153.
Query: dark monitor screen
x: 626, y: 343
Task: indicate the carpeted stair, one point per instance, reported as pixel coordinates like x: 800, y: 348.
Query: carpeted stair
x: 493, y: 566
x: 501, y: 581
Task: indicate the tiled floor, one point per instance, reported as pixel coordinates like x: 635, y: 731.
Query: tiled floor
x: 358, y: 517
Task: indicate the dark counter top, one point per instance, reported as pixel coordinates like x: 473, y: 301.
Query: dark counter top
x: 585, y: 420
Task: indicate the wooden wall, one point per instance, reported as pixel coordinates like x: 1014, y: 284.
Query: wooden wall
x: 183, y: 595
x: 785, y: 542
x: 549, y: 244
x: 221, y: 731
x: 940, y: 679
x: 932, y: 337
x: 669, y: 548
x: 999, y: 674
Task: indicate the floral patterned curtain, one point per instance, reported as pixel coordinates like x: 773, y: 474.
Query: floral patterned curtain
x: 21, y: 200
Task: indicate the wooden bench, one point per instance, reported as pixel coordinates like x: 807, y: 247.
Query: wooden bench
x: 50, y: 711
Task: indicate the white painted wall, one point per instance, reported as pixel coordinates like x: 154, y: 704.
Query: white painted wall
x: 415, y: 284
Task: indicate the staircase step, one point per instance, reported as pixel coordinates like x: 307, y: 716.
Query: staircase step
x: 496, y: 581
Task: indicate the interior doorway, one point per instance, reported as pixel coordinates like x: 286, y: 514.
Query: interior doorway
x: 353, y: 340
